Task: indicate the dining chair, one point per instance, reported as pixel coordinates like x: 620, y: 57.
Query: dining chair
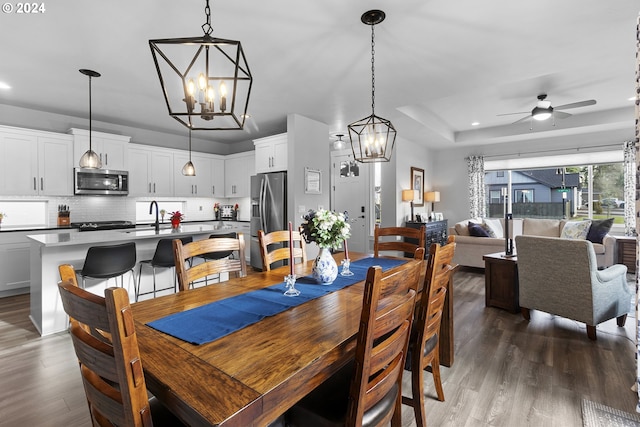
x: 386, y: 239
x: 188, y: 274
x: 217, y: 255
x: 280, y: 253
x: 368, y: 390
x: 68, y: 273
x: 109, y: 359
x: 424, y: 345
x: 162, y: 258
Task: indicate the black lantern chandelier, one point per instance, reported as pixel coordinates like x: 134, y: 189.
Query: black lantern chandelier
x: 207, y: 81
x: 372, y: 138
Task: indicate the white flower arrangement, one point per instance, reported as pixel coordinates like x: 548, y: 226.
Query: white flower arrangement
x: 327, y: 229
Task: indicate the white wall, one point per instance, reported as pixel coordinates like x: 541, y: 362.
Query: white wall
x: 308, y: 146
x: 408, y: 154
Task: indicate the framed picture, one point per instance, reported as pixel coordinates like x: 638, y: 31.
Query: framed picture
x: 312, y: 181
x: 417, y: 184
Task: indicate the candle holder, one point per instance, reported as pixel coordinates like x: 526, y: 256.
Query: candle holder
x: 290, y: 283
x: 346, y: 263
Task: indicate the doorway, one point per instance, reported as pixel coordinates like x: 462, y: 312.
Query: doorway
x: 349, y: 193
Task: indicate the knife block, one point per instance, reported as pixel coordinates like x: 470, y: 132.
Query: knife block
x: 64, y: 218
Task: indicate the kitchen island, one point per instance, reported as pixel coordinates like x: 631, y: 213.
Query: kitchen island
x: 48, y: 251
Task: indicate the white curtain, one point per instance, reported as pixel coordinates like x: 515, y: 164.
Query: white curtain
x: 629, y: 188
x: 475, y: 167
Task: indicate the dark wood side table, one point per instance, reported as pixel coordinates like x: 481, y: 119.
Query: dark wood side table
x: 501, y: 282
x: 627, y: 252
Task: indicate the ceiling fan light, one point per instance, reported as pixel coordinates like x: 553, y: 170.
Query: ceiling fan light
x: 541, y: 114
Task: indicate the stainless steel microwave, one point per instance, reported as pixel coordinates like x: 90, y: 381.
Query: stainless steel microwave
x: 101, y: 181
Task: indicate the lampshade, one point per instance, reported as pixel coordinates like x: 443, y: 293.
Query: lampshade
x: 408, y: 195
x: 90, y: 159
x: 431, y: 196
x: 372, y: 138
x: 541, y: 114
x: 206, y: 81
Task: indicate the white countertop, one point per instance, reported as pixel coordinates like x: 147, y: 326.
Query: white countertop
x: 126, y: 235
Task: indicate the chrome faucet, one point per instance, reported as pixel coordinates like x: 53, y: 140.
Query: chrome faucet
x: 157, y: 223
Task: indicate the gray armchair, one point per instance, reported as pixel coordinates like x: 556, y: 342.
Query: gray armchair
x: 560, y: 276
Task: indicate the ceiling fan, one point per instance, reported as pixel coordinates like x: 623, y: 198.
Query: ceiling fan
x: 543, y: 110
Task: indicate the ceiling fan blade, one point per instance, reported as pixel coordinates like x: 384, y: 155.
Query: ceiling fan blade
x: 510, y: 114
x: 522, y: 119
x: 561, y: 114
x: 576, y: 104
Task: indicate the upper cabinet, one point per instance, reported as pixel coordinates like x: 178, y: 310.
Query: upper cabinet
x: 35, y: 163
x: 112, y: 149
x: 238, y: 170
x: 153, y: 171
x: 209, y: 179
x: 271, y: 153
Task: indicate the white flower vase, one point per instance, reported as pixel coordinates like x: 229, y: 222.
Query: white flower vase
x: 325, y: 269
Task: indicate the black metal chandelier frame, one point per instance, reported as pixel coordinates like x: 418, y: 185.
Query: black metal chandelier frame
x: 215, y: 63
x: 373, y: 137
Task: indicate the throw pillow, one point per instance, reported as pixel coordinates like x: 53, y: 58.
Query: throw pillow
x: 487, y: 228
x: 575, y: 230
x: 477, y: 230
x: 599, y: 229
x: 495, y: 226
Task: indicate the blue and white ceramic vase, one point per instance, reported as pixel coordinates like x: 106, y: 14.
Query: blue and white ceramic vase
x: 325, y: 269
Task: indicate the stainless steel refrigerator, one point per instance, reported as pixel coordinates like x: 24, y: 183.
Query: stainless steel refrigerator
x: 268, y: 209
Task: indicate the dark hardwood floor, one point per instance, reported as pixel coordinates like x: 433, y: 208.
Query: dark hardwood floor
x: 507, y: 372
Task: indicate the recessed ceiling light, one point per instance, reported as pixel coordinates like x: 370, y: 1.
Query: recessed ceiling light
x: 475, y: 123
x: 4, y: 85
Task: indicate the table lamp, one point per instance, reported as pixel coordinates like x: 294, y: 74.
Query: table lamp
x: 433, y: 197
x: 409, y: 196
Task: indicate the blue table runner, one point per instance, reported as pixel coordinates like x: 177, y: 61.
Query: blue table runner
x: 209, y: 322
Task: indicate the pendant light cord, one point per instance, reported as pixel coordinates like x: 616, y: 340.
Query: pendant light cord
x: 90, y: 147
x: 373, y: 72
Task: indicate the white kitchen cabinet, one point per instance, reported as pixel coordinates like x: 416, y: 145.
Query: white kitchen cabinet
x: 271, y: 153
x: 151, y: 173
x: 217, y: 177
x: 112, y: 149
x: 197, y: 185
x: 238, y: 170
x: 14, y: 267
x: 35, y: 163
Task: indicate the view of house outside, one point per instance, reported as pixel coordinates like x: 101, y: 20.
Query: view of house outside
x: 575, y: 192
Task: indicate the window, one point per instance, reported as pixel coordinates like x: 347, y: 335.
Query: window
x: 19, y: 213
x: 143, y: 215
x: 500, y: 174
x: 495, y: 196
x: 523, y: 196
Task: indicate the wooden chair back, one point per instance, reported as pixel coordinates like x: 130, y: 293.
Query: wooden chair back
x: 425, y: 345
x: 386, y: 239
x: 68, y: 273
x: 111, y: 370
x: 281, y: 253
x: 183, y: 252
x: 385, y: 323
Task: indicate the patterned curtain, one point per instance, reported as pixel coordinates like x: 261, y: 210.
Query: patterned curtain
x: 637, y: 140
x: 475, y: 167
x: 629, y: 188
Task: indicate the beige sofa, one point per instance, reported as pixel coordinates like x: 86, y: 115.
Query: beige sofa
x: 470, y: 249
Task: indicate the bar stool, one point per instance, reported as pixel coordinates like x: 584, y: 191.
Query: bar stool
x: 162, y: 258
x: 105, y: 262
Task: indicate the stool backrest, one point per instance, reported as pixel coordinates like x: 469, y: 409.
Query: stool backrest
x: 163, y: 255
x: 111, y: 369
x: 109, y: 261
x: 187, y: 274
x: 221, y: 254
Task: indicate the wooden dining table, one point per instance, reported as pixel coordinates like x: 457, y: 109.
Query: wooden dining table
x: 251, y: 376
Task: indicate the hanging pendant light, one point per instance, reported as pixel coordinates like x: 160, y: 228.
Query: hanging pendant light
x: 90, y: 159
x: 338, y: 144
x: 207, y: 82
x: 188, y: 169
x: 372, y: 138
